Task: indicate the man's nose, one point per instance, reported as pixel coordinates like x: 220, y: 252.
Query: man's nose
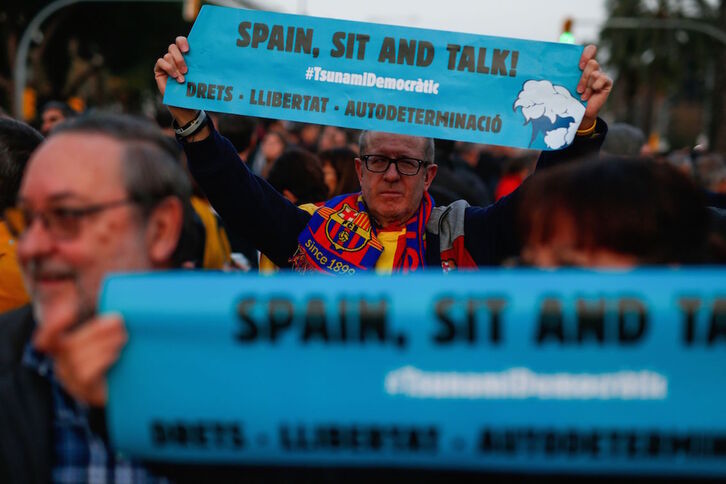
x: 391, y: 174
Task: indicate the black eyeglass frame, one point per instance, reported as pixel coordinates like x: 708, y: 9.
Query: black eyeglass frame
x: 395, y: 161
x: 50, y: 218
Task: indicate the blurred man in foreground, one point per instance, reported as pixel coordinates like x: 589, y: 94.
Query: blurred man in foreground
x: 101, y: 194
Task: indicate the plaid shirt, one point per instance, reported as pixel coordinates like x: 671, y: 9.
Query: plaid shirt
x: 79, y: 454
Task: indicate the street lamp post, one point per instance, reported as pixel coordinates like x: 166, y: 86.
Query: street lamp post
x: 20, y: 74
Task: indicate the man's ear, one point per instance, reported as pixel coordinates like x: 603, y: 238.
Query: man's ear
x: 358, y: 171
x: 430, y: 175
x: 163, y: 230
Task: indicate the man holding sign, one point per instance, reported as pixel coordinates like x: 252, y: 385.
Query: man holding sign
x: 391, y: 225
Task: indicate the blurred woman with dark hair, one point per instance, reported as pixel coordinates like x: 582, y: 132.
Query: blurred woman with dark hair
x: 272, y: 146
x: 298, y: 176
x: 339, y: 170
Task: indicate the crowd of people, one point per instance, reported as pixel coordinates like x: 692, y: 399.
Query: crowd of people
x: 106, y: 193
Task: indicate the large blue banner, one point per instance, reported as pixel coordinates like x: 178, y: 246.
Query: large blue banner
x: 432, y: 83
x: 602, y: 372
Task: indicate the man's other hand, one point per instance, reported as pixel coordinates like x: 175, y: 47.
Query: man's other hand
x: 83, y: 356
x: 594, y: 86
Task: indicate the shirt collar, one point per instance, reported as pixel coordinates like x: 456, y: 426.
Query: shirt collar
x: 37, y: 361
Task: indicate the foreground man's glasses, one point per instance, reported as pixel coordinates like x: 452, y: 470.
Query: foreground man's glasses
x: 61, y: 222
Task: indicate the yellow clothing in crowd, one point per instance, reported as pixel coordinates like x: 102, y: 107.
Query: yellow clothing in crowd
x: 12, y: 290
x: 216, y: 244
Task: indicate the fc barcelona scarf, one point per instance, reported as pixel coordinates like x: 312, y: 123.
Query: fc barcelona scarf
x: 340, y: 239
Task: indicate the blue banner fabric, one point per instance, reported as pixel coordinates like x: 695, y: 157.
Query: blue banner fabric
x: 404, y: 80
x: 602, y: 372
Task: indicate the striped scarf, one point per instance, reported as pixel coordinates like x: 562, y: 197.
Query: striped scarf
x: 340, y: 239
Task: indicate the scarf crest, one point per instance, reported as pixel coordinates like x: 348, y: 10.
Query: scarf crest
x: 340, y: 239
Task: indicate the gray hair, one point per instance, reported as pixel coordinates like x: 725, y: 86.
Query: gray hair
x: 623, y: 140
x: 150, y: 163
x: 428, y: 148
x: 151, y: 168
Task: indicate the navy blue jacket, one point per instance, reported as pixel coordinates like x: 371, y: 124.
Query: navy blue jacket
x: 252, y: 210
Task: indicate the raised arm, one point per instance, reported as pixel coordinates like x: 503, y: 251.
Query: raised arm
x: 172, y: 65
x: 249, y: 206
x: 491, y: 235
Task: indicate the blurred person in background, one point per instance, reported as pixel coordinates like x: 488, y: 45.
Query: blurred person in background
x: 272, y: 146
x: 305, y: 136
x: 241, y: 131
x: 514, y: 172
x: 54, y: 113
x: 468, y: 153
x: 706, y: 169
x: 353, y: 136
x: 614, y: 212
x: 710, y: 171
x: 683, y: 161
x: 17, y: 142
x: 624, y: 140
x: 164, y: 121
x: 339, y: 171
x: 202, y: 225
x: 491, y: 162
x: 102, y: 194
x: 332, y: 137
x: 216, y: 248
x: 298, y: 176
x: 456, y: 179
x: 717, y: 235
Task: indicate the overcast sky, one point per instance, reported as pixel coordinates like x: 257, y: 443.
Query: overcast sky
x: 526, y: 19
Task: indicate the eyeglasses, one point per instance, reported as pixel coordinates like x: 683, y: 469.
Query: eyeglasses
x: 62, y: 223
x: 404, y: 166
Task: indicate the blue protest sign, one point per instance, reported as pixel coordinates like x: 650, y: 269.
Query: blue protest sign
x: 421, y: 82
x: 502, y: 370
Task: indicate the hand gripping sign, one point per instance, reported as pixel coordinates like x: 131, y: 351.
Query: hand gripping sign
x: 359, y: 75
x: 606, y: 373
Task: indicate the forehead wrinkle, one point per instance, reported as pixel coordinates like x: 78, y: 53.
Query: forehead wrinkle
x: 87, y: 165
x: 58, y: 197
x: 398, y: 144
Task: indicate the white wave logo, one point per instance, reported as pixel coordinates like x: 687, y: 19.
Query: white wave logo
x: 551, y: 110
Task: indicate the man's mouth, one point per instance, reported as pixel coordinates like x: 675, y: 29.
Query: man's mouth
x: 52, y: 278
x: 391, y: 194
